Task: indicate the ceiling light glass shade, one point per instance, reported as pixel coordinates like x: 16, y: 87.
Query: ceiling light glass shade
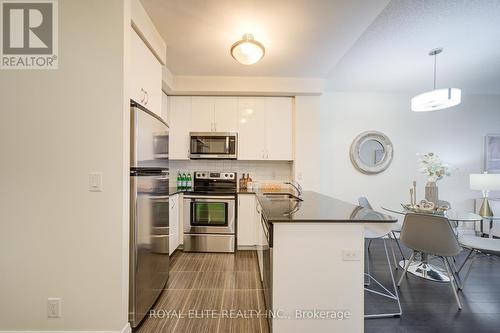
x: 436, y: 99
x: 247, y: 51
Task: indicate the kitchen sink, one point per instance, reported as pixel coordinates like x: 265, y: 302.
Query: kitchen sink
x: 280, y: 196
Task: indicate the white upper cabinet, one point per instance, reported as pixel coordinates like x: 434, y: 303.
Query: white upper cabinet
x: 145, y: 75
x: 214, y: 114
x: 264, y: 124
x: 180, y: 122
x: 202, y: 114
x: 265, y: 128
x: 251, y: 128
x: 226, y: 114
x: 279, y: 129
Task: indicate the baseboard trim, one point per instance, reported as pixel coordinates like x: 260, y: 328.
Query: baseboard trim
x: 125, y: 329
x: 247, y: 247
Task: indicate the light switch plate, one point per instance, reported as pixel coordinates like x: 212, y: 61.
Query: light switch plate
x: 95, y: 182
x: 351, y: 255
x: 54, y: 307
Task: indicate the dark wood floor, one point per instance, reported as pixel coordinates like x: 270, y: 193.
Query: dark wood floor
x: 431, y: 307
x: 207, y: 281
x: 201, y: 286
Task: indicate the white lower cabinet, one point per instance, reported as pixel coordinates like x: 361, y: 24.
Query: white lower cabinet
x: 175, y: 222
x: 246, y: 229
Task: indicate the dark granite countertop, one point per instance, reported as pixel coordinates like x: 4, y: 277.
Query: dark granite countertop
x: 317, y: 207
x: 175, y: 190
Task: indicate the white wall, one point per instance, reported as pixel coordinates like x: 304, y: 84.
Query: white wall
x: 457, y: 135
x: 57, y: 239
x: 307, y: 139
x: 272, y: 171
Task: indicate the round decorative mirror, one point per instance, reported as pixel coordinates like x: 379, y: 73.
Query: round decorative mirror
x: 371, y: 152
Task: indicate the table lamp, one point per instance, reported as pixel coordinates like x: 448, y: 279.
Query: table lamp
x: 485, y: 182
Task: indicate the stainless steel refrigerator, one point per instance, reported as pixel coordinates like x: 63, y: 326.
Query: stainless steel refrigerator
x: 149, y: 221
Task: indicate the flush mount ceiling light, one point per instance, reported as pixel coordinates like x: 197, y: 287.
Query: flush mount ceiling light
x: 247, y: 51
x: 436, y: 99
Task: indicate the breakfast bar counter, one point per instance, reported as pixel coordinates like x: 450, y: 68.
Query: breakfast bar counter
x: 316, y: 208
x: 311, y: 257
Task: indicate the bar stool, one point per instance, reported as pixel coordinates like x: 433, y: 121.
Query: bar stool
x: 395, y: 227
x: 380, y: 231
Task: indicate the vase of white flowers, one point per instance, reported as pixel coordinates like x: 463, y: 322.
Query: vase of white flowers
x: 431, y: 165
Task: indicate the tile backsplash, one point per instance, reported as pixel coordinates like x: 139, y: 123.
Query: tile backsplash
x: 276, y: 171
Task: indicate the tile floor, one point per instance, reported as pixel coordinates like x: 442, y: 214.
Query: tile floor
x: 210, y: 292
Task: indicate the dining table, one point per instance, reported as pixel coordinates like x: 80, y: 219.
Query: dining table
x: 424, y: 268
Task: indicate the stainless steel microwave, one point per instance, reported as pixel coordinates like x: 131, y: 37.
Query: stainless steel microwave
x: 213, y: 145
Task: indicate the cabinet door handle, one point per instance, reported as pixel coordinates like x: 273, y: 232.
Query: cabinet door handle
x: 147, y: 95
x: 215, y: 127
x: 143, y: 95
x: 267, y: 154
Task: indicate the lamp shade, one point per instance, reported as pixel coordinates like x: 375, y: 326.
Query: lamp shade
x: 436, y: 99
x: 485, y: 182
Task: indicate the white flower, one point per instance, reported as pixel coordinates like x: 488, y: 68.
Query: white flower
x: 431, y: 165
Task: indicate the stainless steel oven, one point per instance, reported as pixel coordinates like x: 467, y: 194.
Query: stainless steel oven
x: 210, y: 213
x: 213, y: 145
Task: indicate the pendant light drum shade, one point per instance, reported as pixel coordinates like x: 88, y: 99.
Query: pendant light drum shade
x: 436, y: 99
x: 247, y: 51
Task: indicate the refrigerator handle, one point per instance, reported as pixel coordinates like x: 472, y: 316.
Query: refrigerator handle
x: 133, y: 215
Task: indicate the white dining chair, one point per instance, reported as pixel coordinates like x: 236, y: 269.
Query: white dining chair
x: 433, y: 235
x: 477, y: 246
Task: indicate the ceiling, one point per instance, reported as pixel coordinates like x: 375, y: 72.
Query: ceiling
x: 360, y: 45
x: 303, y: 38
x: 391, y: 55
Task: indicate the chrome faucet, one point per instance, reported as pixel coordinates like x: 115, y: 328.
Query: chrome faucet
x: 296, y: 186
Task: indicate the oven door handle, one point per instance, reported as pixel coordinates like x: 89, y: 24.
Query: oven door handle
x: 219, y: 197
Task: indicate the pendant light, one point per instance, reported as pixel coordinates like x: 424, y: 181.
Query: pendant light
x: 247, y: 51
x: 436, y: 99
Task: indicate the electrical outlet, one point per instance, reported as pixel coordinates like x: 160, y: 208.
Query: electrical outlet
x: 54, y: 307
x: 351, y: 255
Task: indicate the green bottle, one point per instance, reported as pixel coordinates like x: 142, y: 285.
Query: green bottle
x: 189, y: 181
x: 179, y: 181
x: 184, y: 181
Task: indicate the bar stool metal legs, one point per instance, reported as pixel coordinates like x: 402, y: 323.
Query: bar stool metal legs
x: 385, y: 293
